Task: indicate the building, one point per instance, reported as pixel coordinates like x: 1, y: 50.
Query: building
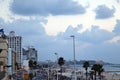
x: 15, y: 43
x: 30, y: 54
x: 12, y: 60
x: 25, y: 54
x: 3, y: 53
x: 3, y: 56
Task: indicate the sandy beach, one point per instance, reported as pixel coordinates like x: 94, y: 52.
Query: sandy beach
x: 111, y: 76
x: 106, y: 75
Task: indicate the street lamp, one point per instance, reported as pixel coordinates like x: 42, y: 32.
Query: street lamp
x: 74, y: 56
x: 57, y: 63
x: 48, y: 69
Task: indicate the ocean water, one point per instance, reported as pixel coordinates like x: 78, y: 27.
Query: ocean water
x: 107, y: 68
x: 112, y: 68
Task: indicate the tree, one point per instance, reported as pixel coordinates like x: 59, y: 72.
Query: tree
x: 95, y: 69
x: 86, y: 65
x: 30, y: 64
x: 61, y: 62
x: 91, y: 73
x: 35, y: 64
x: 98, y: 68
x: 31, y: 76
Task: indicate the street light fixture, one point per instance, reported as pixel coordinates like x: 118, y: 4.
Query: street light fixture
x: 74, y: 56
x: 48, y: 69
x: 57, y: 63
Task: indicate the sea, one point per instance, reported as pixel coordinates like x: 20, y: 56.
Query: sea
x: 112, y: 68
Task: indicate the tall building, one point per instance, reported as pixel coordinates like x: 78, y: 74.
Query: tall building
x: 30, y: 54
x: 12, y: 61
x: 3, y: 56
x: 15, y: 43
x: 3, y: 53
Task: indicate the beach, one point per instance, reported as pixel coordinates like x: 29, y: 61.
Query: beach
x: 111, y: 76
x: 110, y: 73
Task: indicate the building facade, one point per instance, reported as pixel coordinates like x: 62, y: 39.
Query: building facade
x: 12, y: 59
x: 3, y: 56
x: 3, y: 53
x: 15, y: 43
x: 30, y: 54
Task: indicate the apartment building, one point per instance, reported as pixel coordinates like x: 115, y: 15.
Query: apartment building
x: 3, y: 53
x: 15, y: 43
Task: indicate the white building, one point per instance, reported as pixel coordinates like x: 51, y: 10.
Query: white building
x: 15, y: 43
x: 30, y: 54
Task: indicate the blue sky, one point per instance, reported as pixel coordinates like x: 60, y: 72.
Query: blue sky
x: 48, y: 24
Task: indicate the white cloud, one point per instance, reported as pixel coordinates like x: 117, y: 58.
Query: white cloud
x: 57, y: 24
x: 4, y: 10
x: 113, y: 40
x: 46, y: 7
x: 90, y: 41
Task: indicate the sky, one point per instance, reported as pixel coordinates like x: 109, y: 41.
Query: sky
x: 48, y: 24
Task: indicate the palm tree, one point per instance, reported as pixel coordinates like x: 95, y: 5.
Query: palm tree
x: 61, y: 62
x: 100, y: 70
x: 86, y: 65
x: 91, y: 73
x: 95, y: 69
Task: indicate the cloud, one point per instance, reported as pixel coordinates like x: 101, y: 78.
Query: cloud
x: 70, y: 31
x: 89, y: 44
x: 46, y: 7
x: 117, y: 27
x: 114, y: 40
x: 96, y: 35
x: 109, y: 52
x: 25, y: 27
x: 33, y: 34
x: 118, y: 1
x: 103, y: 12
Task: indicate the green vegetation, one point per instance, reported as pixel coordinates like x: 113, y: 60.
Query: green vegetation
x: 86, y: 65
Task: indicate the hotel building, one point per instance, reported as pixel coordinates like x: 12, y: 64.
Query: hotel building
x: 15, y: 43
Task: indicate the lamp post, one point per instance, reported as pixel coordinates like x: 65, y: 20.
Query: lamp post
x: 74, y: 56
x: 48, y: 69
x: 57, y: 63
